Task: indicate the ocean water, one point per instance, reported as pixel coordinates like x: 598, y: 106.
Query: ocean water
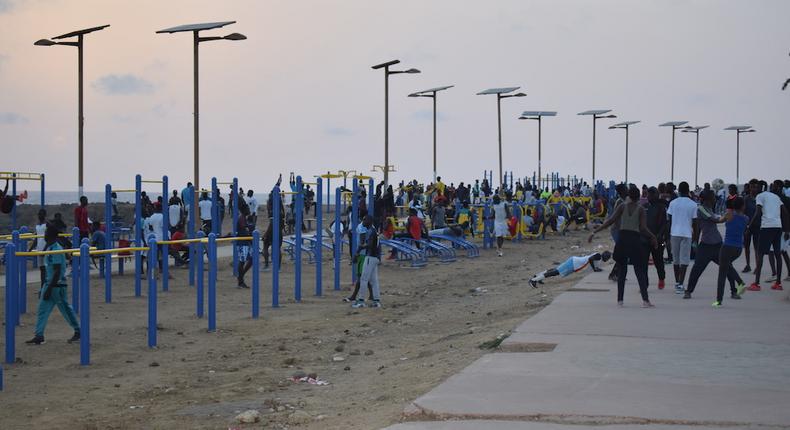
x: 70, y: 197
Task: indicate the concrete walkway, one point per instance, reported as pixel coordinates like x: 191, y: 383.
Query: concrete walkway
x: 682, y: 364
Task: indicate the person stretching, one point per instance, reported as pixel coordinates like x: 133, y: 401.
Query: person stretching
x: 571, y: 265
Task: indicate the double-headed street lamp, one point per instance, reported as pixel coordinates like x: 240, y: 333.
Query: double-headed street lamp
x: 695, y: 129
x: 625, y: 126
x: 196, y: 29
x: 537, y: 115
x: 431, y: 93
x: 387, y: 73
x: 675, y: 125
x: 596, y: 114
x: 738, y: 130
x: 80, y: 118
x: 501, y: 93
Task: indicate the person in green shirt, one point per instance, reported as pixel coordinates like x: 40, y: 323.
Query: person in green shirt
x: 53, y: 292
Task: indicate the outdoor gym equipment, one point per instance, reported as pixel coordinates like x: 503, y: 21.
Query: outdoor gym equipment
x: 13, y: 177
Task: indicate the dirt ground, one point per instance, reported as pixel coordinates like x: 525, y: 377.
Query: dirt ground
x: 375, y: 360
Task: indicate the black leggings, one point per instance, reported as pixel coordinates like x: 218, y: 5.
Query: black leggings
x: 629, y: 248
x: 727, y: 255
x: 658, y: 260
x: 707, y: 253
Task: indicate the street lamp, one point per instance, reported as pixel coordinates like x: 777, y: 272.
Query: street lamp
x: 738, y: 130
x: 387, y: 73
x: 501, y: 93
x: 625, y: 125
x: 695, y: 130
x: 675, y: 125
x: 80, y: 118
x: 196, y: 29
x: 537, y: 115
x: 431, y: 93
x: 596, y: 114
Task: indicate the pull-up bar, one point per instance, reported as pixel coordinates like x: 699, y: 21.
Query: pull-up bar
x: 23, y: 176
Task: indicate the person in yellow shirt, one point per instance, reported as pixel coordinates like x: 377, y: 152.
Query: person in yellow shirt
x: 440, y: 187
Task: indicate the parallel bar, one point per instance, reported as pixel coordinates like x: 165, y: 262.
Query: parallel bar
x: 152, y: 258
x: 75, y: 270
x: 85, y: 305
x: 10, y: 300
x: 256, y: 274
x: 198, y: 256
x: 298, y: 248
x: 212, y: 282
x: 337, y: 239
x: 319, y: 235
x: 165, y: 234
x: 276, y: 247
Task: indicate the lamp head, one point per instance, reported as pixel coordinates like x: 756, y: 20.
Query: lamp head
x: 609, y: 116
x: 520, y: 95
x: 411, y: 71
x: 235, y: 36
x: 44, y: 42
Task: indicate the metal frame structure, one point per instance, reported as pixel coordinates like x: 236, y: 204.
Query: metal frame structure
x: 596, y: 115
x: 625, y: 125
x: 431, y: 93
x: 537, y: 116
x: 738, y: 130
x: 501, y: 93
x: 676, y: 125
x: 695, y: 130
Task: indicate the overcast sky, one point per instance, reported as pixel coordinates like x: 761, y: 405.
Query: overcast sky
x: 299, y: 94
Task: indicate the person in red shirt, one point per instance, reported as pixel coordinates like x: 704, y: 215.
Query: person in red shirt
x: 81, y: 218
x: 178, y: 250
x: 414, y: 225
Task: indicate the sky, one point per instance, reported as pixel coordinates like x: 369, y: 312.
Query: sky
x: 300, y: 95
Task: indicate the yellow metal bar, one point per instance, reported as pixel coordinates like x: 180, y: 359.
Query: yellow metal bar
x: 233, y: 239
x: 128, y: 190
x: 30, y: 236
x: 117, y: 250
x: 310, y: 183
x: 331, y: 176
x: 19, y: 178
x: 288, y: 192
x: 362, y: 177
x: 55, y: 252
x: 152, y: 181
x: 180, y: 241
x: 224, y: 183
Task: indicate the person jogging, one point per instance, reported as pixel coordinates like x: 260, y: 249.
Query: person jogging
x: 53, y: 292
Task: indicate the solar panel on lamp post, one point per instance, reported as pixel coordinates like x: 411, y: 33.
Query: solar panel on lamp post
x: 738, y: 130
x: 537, y: 115
x: 501, y: 93
x: 695, y: 130
x: 196, y: 39
x: 596, y: 115
x: 625, y: 126
x: 431, y: 93
x: 675, y: 125
x: 80, y: 117
x: 387, y: 73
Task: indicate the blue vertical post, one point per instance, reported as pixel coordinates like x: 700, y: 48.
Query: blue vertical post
x: 212, y: 282
x: 152, y: 258
x: 319, y: 234
x: 108, y: 243
x: 198, y: 257
x: 13, y: 208
x: 256, y: 273
x: 371, y: 197
x: 486, y: 229
x: 43, y: 191
x: 354, y: 223
x: 22, y: 262
x: 165, y: 234
x: 234, y: 227
x: 10, y: 300
x: 85, y: 305
x: 337, y: 239
x: 75, y: 270
x: 299, y: 213
x: 328, y: 187
x: 215, y: 215
x: 138, y: 236
x: 191, y: 234
x: 276, y: 247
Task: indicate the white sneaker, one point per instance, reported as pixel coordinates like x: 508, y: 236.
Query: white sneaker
x: 679, y: 289
x: 499, y: 253
x: 358, y: 304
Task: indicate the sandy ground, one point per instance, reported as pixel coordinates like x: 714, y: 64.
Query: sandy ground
x: 433, y: 321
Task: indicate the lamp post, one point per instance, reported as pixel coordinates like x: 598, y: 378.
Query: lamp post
x: 387, y: 73
x: 596, y: 114
x: 695, y: 130
x: 537, y: 115
x: 79, y: 34
x: 625, y: 125
x: 196, y: 40
x: 501, y: 93
x: 738, y: 130
x: 431, y: 93
x: 675, y: 125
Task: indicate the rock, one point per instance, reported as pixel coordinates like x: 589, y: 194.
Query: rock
x: 300, y: 417
x: 338, y: 358
x: 290, y: 361
x: 280, y: 408
x: 320, y: 417
x: 247, y: 417
x: 369, y: 352
x: 339, y: 348
x: 347, y: 368
x: 153, y: 364
x: 354, y: 352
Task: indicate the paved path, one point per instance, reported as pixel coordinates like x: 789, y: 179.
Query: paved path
x: 680, y: 365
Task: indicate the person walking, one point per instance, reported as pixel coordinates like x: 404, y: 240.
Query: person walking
x: 53, y: 292
x: 631, y: 218
x: 370, y: 267
x: 682, y: 213
x: 81, y: 218
x: 500, y: 217
x: 735, y: 223
x: 771, y: 212
x: 656, y: 219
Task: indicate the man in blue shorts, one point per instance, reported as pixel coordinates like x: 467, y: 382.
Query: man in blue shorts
x: 571, y: 265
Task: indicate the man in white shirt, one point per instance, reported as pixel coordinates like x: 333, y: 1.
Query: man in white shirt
x: 770, y: 211
x: 205, y: 212
x: 252, y: 202
x: 681, y: 213
x: 501, y: 214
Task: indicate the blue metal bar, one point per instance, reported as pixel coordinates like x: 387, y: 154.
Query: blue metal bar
x: 22, y: 305
x: 354, y: 224
x: 10, y: 300
x: 319, y: 234
x: 165, y: 234
x: 108, y: 243
x: 338, y: 239
x: 85, y: 305
x: 256, y: 274
x: 138, y: 235
x: 13, y: 208
x: 191, y: 214
x: 43, y: 194
x: 276, y: 247
x: 215, y: 215
x: 212, y: 282
x: 200, y: 274
x: 235, y: 227
x: 75, y: 270
x: 152, y: 259
x: 298, y: 212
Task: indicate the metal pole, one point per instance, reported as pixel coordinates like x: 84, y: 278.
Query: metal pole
x: 386, y: 125
x: 80, y: 118
x: 540, y: 149
x: 434, y: 137
x: 626, y: 154
x: 672, y: 173
x: 593, y: 155
x: 319, y: 234
x: 499, y: 135
x: 737, y: 156
x: 196, y: 113
x: 696, y: 164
